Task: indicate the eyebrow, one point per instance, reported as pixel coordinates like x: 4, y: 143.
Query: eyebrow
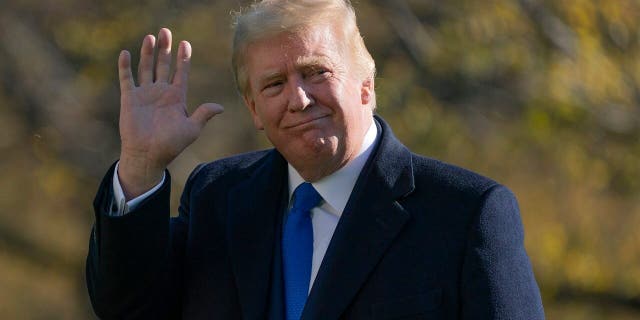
x: 312, y: 61
x: 301, y: 63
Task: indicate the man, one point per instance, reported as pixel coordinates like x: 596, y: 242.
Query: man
x: 339, y: 221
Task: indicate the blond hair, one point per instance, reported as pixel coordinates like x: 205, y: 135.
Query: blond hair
x: 269, y: 18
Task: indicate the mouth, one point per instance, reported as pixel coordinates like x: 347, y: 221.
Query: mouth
x: 305, y: 122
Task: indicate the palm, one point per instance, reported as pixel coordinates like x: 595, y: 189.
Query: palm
x: 154, y: 124
x: 154, y: 120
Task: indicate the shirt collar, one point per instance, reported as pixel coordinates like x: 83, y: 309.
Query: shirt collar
x: 336, y: 188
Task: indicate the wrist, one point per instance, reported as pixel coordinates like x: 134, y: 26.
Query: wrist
x: 137, y: 174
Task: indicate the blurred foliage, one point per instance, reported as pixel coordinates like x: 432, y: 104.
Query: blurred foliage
x: 543, y: 96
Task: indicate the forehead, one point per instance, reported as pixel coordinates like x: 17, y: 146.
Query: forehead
x: 314, y: 46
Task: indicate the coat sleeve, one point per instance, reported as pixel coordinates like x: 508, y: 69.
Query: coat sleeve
x: 497, y: 279
x: 134, y: 261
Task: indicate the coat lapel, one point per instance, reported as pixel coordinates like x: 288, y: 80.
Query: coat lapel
x: 372, y: 219
x: 255, y: 208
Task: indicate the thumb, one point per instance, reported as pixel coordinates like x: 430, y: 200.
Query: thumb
x: 205, y: 112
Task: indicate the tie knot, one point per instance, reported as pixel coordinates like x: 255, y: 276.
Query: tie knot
x: 305, y: 197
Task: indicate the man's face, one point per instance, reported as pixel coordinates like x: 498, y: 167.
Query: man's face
x: 305, y: 93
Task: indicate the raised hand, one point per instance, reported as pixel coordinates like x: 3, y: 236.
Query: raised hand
x: 154, y: 123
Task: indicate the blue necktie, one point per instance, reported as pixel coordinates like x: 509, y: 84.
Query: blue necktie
x: 297, y: 250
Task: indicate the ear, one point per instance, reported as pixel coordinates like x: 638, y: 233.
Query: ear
x: 366, y: 91
x: 251, y: 105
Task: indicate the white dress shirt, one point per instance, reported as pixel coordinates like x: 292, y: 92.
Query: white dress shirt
x: 121, y: 205
x: 335, y: 190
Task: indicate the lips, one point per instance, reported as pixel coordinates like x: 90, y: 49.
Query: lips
x: 306, y: 121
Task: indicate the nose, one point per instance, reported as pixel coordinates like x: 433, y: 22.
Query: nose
x: 300, y: 97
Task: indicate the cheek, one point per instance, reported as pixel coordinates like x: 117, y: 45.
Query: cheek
x: 336, y: 95
x: 270, y: 115
x: 257, y: 121
x: 349, y: 99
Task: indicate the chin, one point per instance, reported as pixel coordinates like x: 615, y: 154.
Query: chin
x: 310, y: 151
x: 324, y: 147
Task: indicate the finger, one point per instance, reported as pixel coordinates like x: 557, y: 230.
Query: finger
x: 183, y: 63
x: 145, y: 67
x: 164, y: 55
x: 124, y: 71
x: 205, y: 112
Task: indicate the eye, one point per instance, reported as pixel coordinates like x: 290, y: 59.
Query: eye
x: 273, y: 88
x: 319, y: 74
x: 273, y: 84
x: 320, y: 71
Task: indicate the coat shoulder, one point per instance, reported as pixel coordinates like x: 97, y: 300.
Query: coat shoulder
x: 228, y: 170
x: 449, y: 179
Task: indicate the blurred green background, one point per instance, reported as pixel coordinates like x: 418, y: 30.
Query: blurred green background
x: 543, y: 96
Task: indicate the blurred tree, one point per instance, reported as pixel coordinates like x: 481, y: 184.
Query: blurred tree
x: 541, y: 95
